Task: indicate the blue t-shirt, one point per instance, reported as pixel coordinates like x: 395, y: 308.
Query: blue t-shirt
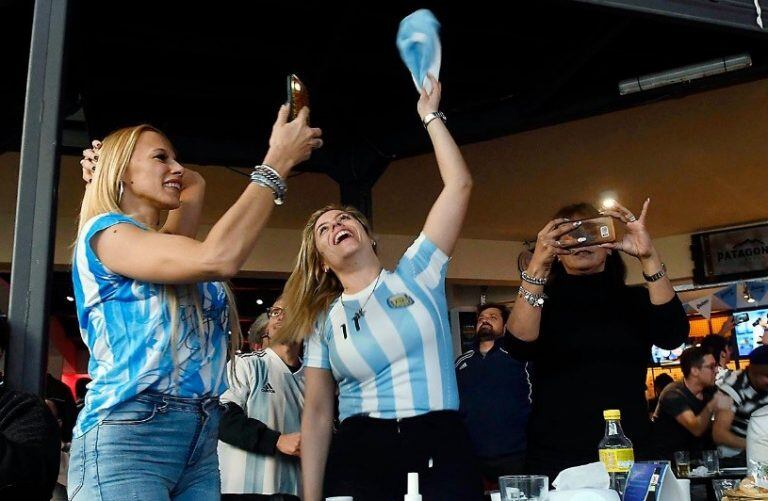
x: 399, y: 363
x: 126, y: 325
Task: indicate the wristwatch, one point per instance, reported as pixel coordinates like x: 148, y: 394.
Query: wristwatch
x: 431, y: 116
x: 656, y: 276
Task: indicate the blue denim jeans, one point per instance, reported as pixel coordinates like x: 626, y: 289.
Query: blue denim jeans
x: 154, y: 447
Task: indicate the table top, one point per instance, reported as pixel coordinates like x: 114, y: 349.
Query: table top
x: 724, y: 473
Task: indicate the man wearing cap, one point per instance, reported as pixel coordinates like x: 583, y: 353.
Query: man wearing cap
x: 494, y: 396
x: 741, y: 393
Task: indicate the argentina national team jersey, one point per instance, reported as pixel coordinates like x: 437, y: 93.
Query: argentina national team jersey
x: 266, y: 390
x: 400, y: 362
x: 126, y: 325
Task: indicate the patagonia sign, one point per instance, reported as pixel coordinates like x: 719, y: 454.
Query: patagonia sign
x: 729, y: 254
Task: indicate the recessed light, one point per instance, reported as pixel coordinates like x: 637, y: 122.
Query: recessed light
x: 70, y: 299
x: 259, y: 302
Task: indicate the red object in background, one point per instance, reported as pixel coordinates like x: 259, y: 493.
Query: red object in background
x: 70, y: 378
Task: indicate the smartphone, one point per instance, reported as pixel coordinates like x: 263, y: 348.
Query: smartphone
x: 594, y: 231
x: 298, y: 96
x: 740, y: 318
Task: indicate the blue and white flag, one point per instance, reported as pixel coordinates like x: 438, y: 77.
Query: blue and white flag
x: 419, y: 44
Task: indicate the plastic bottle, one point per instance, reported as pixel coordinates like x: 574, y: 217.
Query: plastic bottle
x: 616, y: 451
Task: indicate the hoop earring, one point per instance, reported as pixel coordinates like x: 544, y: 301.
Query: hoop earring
x: 121, y: 190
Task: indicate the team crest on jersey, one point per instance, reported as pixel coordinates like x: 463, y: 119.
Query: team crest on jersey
x: 399, y: 301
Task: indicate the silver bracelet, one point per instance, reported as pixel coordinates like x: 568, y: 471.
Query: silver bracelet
x: 535, y: 300
x: 532, y: 280
x: 429, y: 117
x: 266, y: 176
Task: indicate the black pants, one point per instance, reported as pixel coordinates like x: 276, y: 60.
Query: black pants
x: 370, y: 459
x: 493, y: 468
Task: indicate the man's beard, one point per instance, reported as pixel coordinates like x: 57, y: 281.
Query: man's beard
x: 485, y: 333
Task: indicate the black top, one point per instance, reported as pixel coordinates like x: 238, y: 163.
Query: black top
x: 30, y: 447
x: 592, y: 354
x: 494, y: 396
x: 60, y: 394
x: 669, y: 435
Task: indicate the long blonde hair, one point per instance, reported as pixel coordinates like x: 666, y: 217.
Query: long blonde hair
x: 103, y: 195
x: 310, y: 290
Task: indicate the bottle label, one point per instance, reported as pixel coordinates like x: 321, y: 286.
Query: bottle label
x: 617, y: 460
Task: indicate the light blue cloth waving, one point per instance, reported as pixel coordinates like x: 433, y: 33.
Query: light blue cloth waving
x: 419, y: 45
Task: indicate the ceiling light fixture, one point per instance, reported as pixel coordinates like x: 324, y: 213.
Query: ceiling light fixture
x: 685, y: 74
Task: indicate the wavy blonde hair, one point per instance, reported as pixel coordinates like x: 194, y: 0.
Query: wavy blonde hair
x: 310, y: 290
x: 102, y: 196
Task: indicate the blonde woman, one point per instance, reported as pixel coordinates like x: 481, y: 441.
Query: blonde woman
x: 384, y: 337
x: 154, y: 313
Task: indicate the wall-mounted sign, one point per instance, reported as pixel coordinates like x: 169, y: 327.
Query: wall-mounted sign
x: 730, y: 254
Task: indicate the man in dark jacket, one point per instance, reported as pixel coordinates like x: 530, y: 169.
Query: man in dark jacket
x: 30, y: 442
x: 494, y: 396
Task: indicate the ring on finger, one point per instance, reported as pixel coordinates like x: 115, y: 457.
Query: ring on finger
x: 631, y: 218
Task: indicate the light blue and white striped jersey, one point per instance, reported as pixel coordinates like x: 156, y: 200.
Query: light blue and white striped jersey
x: 400, y: 362
x: 126, y: 325
x: 268, y: 391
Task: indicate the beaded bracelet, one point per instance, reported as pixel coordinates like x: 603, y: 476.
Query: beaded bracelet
x: 532, y: 280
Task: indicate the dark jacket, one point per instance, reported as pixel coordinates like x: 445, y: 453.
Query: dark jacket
x: 30, y: 447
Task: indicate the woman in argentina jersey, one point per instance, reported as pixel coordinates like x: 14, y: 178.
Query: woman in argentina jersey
x: 383, y: 337
x: 154, y: 315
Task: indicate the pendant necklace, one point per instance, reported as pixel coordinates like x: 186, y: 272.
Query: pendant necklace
x: 360, y: 313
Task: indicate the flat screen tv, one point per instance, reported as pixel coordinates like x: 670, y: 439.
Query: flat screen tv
x: 660, y: 356
x: 750, y: 329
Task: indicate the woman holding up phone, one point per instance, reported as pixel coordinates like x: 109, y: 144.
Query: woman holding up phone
x: 384, y: 337
x: 594, y: 336
x: 155, y: 314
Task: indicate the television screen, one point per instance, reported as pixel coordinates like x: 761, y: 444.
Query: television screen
x: 749, y: 333
x: 661, y: 356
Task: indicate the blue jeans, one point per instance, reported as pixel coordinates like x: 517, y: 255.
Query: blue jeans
x: 154, y: 447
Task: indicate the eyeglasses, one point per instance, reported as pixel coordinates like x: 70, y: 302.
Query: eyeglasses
x: 275, y: 311
x: 709, y: 366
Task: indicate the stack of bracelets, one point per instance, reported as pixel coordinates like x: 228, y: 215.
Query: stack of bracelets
x: 535, y: 300
x: 266, y: 176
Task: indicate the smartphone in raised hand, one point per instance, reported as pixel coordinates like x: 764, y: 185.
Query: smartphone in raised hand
x: 593, y: 231
x: 298, y: 96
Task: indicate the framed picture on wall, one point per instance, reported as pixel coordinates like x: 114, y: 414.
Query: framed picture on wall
x: 736, y: 253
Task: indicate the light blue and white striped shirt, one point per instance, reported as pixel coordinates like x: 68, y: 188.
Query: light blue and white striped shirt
x: 266, y: 389
x: 400, y: 362
x: 126, y: 325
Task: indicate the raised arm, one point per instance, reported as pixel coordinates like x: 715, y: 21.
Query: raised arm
x: 316, y: 428
x: 165, y: 258
x: 637, y: 243
x: 446, y: 217
x: 185, y: 220
x: 525, y: 319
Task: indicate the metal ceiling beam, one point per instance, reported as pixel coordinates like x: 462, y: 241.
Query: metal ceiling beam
x: 740, y: 14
